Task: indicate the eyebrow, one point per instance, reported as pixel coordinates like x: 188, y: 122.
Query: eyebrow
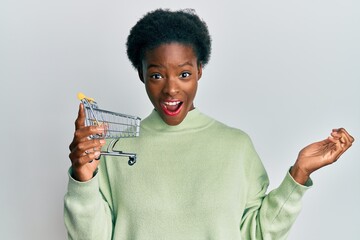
x: 160, y: 66
x: 186, y: 63
x: 154, y: 65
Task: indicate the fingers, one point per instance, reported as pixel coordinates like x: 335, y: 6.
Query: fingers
x: 83, y: 134
x: 89, y: 147
x: 84, y: 159
x: 86, y: 151
x: 343, y: 136
x: 342, y: 140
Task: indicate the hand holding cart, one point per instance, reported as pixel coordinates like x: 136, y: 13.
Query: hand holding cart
x: 117, y: 125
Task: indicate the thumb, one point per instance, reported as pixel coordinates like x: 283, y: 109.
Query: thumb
x: 80, y: 120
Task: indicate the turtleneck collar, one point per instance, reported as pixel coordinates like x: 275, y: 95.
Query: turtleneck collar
x: 194, y: 120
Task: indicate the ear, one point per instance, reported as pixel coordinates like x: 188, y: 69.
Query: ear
x: 140, y: 73
x: 200, y: 67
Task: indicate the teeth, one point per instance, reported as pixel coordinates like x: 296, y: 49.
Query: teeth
x: 171, y: 103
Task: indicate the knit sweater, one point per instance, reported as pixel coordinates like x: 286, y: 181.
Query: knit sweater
x: 197, y: 180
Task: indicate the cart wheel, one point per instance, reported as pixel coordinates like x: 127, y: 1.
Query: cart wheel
x: 132, y: 160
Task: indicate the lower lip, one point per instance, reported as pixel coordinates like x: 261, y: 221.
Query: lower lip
x: 171, y: 113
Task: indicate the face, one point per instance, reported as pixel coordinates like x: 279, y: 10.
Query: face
x: 171, y: 73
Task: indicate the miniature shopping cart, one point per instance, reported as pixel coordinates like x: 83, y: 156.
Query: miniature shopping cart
x: 117, y: 125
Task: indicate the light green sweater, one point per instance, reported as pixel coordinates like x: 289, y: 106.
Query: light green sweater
x: 198, y: 180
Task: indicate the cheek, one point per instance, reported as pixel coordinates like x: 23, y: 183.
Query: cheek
x: 192, y: 89
x: 151, y: 92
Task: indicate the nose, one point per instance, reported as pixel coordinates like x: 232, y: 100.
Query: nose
x: 171, y: 86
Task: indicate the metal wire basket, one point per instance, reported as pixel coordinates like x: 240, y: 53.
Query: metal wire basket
x: 117, y: 125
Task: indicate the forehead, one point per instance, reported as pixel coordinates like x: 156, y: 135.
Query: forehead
x: 170, y: 52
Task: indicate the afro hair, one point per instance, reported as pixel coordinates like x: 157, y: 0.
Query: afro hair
x: 163, y: 26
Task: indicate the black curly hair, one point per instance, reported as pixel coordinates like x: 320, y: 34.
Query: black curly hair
x: 165, y: 26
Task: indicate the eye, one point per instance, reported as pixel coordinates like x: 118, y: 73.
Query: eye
x: 185, y: 74
x: 156, y: 76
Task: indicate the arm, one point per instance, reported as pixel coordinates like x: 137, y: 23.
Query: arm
x: 270, y: 216
x: 87, y: 214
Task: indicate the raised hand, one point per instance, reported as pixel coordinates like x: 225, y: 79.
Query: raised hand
x: 320, y: 154
x: 83, y: 149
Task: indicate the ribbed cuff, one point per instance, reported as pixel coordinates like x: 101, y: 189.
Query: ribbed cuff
x: 292, y: 189
x: 84, y: 191
x: 307, y: 184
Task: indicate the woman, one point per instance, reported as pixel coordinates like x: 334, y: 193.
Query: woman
x: 195, y: 177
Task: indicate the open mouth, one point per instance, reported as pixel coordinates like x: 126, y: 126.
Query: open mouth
x: 171, y: 108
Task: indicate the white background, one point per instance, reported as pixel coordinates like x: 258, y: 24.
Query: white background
x: 286, y: 72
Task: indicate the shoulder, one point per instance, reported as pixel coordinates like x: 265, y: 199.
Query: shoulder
x: 224, y: 132
x: 225, y: 129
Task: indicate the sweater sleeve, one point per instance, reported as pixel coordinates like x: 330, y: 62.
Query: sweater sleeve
x: 86, y: 213
x: 271, y: 216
